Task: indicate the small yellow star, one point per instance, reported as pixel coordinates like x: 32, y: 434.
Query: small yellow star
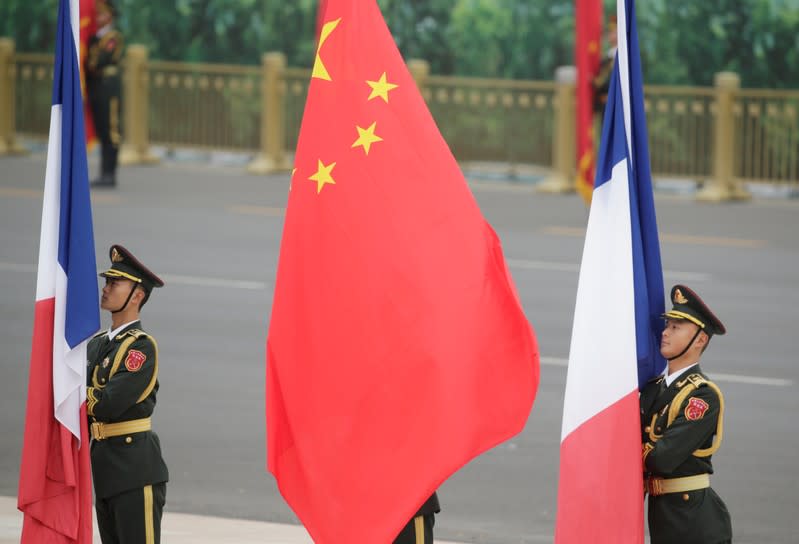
x: 380, y: 88
x: 323, y: 176
x: 366, y: 137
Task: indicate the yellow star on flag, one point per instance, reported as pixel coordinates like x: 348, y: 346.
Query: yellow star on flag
x: 319, y: 70
x: 323, y: 176
x: 380, y: 88
x: 366, y: 137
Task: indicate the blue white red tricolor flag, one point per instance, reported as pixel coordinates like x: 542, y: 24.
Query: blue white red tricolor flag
x: 617, y: 326
x: 55, y: 474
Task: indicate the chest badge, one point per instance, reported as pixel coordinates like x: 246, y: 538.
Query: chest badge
x: 135, y: 360
x: 696, y: 409
x: 106, y: 362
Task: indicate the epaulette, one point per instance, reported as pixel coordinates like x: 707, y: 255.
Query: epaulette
x: 135, y: 333
x: 99, y: 334
x: 697, y: 379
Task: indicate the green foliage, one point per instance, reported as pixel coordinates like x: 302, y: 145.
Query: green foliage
x: 682, y: 41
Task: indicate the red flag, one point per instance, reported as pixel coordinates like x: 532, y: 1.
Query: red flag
x: 588, y: 32
x: 55, y: 486
x: 88, y: 28
x: 398, y: 349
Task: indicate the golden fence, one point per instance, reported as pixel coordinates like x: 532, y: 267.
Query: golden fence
x: 502, y: 121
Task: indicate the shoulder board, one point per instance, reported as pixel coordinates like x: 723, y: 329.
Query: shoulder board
x: 99, y: 334
x: 697, y: 379
x: 136, y: 333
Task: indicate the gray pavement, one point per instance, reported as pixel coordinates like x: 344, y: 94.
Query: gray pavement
x: 213, y: 232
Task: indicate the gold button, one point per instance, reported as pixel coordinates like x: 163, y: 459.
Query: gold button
x: 647, y: 429
x: 658, y: 429
x: 128, y: 440
x: 685, y: 496
x: 102, y: 380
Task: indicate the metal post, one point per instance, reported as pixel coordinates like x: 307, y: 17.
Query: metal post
x: 272, y: 156
x: 724, y: 186
x: 136, y: 106
x: 419, y: 70
x: 561, y: 180
x: 8, y: 140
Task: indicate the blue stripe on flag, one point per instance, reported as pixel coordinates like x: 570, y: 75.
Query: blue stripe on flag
x: 75, y: 234
x: 647, y: 267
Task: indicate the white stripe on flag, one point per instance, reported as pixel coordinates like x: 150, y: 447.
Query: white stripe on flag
x: 51, y: 211
x: 602, y: 365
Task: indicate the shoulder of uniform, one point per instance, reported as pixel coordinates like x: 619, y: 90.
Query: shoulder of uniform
x: 135, y: 333
x: 697, y: 380
x: 98, y: 335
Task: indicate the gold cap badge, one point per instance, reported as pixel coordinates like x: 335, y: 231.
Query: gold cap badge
x: 116, y: 256
x: 679, y: 298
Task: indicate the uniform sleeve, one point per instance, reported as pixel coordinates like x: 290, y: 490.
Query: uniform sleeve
x: 134, y: 376
x: 695, y: 423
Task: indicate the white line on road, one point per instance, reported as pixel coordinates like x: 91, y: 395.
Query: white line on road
x: 570, y: 267
x: 731, y: 378
x: 215, y: 282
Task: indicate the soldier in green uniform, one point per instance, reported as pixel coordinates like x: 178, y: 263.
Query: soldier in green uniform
x: 104, y: 88
x: 419, y: 530
x: 682, y: 415
x: 127, y: 467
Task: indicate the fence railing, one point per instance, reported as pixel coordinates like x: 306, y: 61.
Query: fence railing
x: 720, y: 135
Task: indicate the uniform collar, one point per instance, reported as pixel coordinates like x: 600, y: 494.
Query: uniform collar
x: 670, y: 378
x: 112, y: 334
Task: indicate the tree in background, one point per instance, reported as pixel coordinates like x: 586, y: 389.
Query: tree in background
x: 683, y: 42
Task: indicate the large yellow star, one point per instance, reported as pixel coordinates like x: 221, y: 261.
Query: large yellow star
x: 319, y: 69
x: 366, y: 137
x: 323, y: 176
x: 380, y: 88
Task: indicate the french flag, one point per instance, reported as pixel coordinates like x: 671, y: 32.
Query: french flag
x: 55, y: 475
x: 615, y: 344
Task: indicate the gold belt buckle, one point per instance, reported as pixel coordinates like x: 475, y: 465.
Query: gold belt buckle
x: 98, y: 431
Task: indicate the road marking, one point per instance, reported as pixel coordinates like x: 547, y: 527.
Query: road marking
x: 258, y: 210
x: 21, y: 192
x: 215, y: 282
x: 674, y: 238
x: 570, y: 267
x: 715, y: 376
x: 171, y: 278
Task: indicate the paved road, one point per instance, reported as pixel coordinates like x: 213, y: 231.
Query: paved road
x: 214, y: 232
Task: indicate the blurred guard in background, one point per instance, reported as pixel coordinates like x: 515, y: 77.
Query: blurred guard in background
x: 104, y: 87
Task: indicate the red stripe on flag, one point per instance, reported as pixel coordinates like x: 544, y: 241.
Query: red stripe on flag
x: 55, y: 473
x: 606, y: 488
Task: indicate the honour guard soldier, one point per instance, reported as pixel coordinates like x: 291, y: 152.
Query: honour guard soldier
x: 104, y: 88
x: 127, y: 467
x: 682, y: 415
x: 420, y: 529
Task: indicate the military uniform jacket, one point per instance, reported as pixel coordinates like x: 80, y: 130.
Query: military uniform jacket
x: 102, y: 61
x: 681, y: 428
x: 122, y: 386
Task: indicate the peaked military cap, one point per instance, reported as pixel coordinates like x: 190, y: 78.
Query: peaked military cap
x: 125, y: 265
x: 107, y: 5
x: 687, y: 305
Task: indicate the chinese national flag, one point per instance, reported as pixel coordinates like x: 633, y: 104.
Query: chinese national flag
x: 398, y: 349
x: 588, y: 33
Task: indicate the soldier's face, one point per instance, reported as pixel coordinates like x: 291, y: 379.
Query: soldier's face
x: 676, y: 335
x: 115, y: 293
